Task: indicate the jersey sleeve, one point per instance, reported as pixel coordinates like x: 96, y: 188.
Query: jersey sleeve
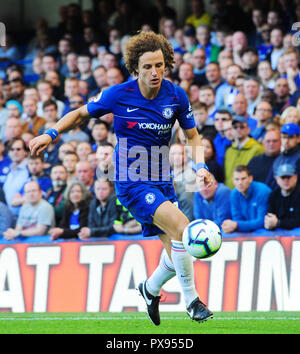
x: 103, y: 103
x: 186, y: 116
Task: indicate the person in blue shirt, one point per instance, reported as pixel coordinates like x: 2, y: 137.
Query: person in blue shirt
x: 249, y: 203
x: 145, y: 110
x: 212, y: 202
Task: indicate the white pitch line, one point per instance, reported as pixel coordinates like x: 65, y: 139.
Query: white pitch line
x: 138, y: 318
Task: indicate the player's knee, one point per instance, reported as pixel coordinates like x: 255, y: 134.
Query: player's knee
x: 179, y: 230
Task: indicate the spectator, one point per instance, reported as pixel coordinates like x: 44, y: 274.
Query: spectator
x: 239, y: 43
x: 290, y: 153
x: 284, y: 208
x: 71, y: 67
x: 70, y: 161
x: 242, y: 150
x: 261, y: 166
x: 18, y: 171
x: 266, y: 74
x: 291, y: 63
x: 223, y: 124
x: 198, y: 15
x: 204, y: 42
x: 105, y: 162
x: 14, y: 109
x: 210, y: 159
x: 45, y: 91
x: 114, y: 76
x: 71, y: 89
x: 75, y: 214
x: 208, y: 97
x: 249, y: 203
x: 100, y: 134
x: 186, y: 75
x: 100, y: 76
x: 50, y: 112
x: 290, y: 115
x: 55, y: 195
x: 252, y: 93
x: 107, y: 216
x: 17, y: 87
x: 85, y: 174
x: 13, y: 130
x: 30, y: 118
x: 4, y: 164
x: 232, y: 72
x: 76, y: 133
x: 36, y: 173
x: 283, y: 97
x: 276, y: 40
x: 212, y: 202
x: 263, y: 115
x: 205, y: 125
x: 250, y: 61
x: 3, y: 116
x: 83, y: 150
x: 36, y: 215
x: 214, y: 79
x: 240, y: 106
x: 265, y: 47
x: 184, y: 178
x: 84, y: 63
x: 6, y: 218
x: 51, y: 153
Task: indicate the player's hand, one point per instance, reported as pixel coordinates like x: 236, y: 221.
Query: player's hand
x: 84, y: 233
x: 39, y: 144
x: 204, y: 177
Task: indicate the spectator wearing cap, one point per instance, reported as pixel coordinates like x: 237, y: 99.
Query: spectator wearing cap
x: 212, y: 202
x: 284, y: 206
x: 290, y: 147
x: 248, y: 201
x: 243, y: 149
x: 261, y: 166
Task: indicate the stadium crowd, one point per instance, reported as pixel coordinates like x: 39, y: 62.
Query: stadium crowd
x: 239, y: 65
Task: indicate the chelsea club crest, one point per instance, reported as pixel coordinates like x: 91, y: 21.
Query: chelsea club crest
x: 168, y: 113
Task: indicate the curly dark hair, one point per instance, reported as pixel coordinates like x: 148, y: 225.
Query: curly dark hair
x: 144, y: 42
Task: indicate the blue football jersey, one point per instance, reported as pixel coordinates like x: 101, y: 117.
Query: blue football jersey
x: 143, y: 127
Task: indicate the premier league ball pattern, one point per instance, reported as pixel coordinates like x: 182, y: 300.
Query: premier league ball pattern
x: 202, y: 238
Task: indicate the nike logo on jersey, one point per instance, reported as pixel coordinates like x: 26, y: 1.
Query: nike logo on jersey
x: 131, y: 109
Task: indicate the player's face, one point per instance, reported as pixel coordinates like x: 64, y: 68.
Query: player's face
x: 151, y: 69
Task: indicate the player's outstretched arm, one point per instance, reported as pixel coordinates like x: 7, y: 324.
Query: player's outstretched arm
x: 67, y: 122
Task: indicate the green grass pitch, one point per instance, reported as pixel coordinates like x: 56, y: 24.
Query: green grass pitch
x: 272, y: 322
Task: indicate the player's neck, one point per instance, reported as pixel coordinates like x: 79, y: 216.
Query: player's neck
x: 147, y: 92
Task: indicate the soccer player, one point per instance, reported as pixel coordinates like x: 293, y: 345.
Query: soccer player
x: 145, y: 110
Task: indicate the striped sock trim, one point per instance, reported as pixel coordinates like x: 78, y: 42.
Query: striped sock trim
x: 178, y: 246
x: 167, y: 267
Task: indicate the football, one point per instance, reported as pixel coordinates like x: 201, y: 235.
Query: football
x: 202, y: 238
